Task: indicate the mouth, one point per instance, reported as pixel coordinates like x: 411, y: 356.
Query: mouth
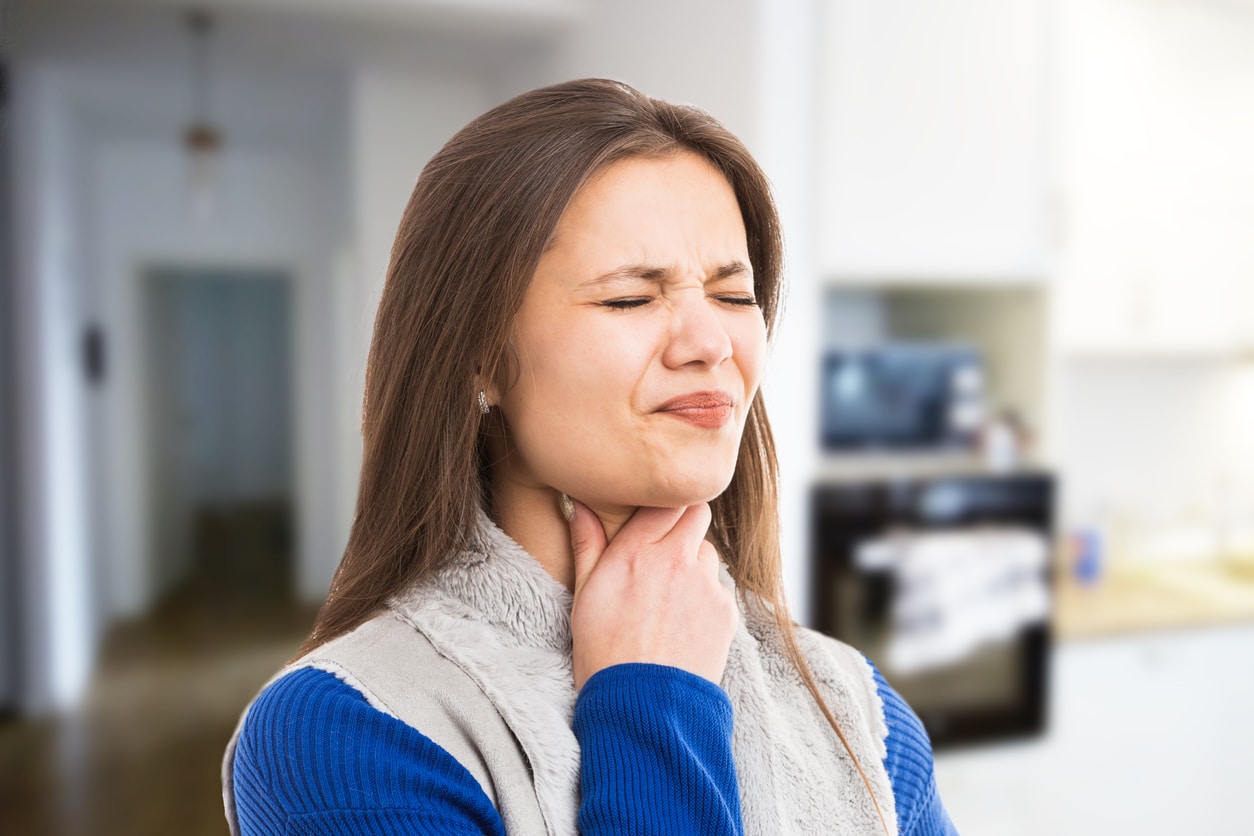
x: 709, y: 410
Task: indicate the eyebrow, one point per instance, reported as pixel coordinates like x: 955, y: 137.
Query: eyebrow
x: 651, y: 273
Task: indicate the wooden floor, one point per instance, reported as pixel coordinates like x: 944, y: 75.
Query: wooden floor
x: 142, y: 754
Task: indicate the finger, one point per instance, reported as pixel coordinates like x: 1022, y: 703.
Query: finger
x: 692, y: 526
x: 587, y: 541
x: 709, y: 560
x: 650, y: 525
x: 707, y: 554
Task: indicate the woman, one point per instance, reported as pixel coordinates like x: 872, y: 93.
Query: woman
x: 560, y: 607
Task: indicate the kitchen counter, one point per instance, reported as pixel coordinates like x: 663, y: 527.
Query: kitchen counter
x: 895, y: 466
x: 1192, y: 594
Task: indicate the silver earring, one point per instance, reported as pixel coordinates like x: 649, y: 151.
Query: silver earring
x: 483, y: 402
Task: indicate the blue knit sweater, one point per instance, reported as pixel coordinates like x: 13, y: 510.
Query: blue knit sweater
x: 656, y: 748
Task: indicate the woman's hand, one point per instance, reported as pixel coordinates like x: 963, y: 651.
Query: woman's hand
x: 650, y: 595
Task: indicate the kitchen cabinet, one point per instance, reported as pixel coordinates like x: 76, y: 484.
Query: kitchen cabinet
x: 1154, y: 315
x: 1147, y: 736
x: 1155, y: 125
x: 932, y: 141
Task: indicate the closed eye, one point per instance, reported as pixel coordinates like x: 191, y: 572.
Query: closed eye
x: 630, y: 302
x: 626, y: 304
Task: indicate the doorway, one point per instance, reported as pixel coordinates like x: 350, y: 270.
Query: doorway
x: 141, y: 753
x: 219, y: 415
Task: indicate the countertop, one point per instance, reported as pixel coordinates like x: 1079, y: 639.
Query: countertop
x: 890, y: 467
x: 1187, y: 594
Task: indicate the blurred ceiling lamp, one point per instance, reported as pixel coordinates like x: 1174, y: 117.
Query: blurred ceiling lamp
x: 202, y: 141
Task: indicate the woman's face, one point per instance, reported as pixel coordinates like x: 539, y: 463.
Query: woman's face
x: 639, y: 344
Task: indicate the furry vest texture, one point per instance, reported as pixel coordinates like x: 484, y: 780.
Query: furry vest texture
x: 478, y: 659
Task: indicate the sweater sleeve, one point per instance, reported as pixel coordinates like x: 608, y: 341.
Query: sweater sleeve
x: 315, y: 758
x: 910, y: 768
x: 656, y: 753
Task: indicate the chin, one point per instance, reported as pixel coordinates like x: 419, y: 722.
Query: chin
x: 670, y: 479
x: 688, y: 491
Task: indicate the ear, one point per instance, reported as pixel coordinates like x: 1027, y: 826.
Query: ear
x: 490, y: 389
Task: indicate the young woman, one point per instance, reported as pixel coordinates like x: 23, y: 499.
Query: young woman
x: 560, y: 608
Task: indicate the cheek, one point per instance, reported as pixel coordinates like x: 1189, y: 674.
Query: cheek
x: 572, y: 410
x: 573, y: 378
x: 574, y: 364
x: 749, y: 350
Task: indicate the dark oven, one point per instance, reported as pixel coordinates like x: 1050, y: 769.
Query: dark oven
x: 944, y: 583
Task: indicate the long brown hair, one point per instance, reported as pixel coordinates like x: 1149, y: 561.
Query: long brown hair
x: 480, y: 216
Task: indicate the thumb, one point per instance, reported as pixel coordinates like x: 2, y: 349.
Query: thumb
x: 587, y: 541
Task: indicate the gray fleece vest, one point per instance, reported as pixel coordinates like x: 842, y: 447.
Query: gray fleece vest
x: 478, y: 660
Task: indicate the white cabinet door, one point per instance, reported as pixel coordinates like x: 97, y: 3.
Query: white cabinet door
x: 1155, y: 105
x: 932, y: 140
x: 1125, y: 713
x: 1154, y: 315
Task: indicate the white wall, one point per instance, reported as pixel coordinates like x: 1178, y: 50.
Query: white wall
x: 783, y: 140
x: 10, y: 624
x: 399, y: 117
x: 57, y: 634
x: 699, y: 52
x: 1148, y: 445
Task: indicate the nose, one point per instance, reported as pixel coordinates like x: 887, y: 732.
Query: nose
x: 698, y: 334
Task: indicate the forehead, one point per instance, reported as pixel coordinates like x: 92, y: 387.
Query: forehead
x: 649, y: 206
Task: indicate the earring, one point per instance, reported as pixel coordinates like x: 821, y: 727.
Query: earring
x: 483, y: 402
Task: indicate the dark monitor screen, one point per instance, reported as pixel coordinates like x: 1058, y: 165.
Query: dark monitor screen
x: 900, y: 396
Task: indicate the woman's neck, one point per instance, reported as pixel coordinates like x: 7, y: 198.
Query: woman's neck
x: 530, y: 515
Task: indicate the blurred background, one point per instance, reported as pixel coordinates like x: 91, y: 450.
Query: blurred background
x: 1013, y: 386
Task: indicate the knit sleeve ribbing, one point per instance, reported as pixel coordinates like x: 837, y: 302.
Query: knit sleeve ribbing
x: 911, y: 770
x: 656, y: 754
x: 315, y: 758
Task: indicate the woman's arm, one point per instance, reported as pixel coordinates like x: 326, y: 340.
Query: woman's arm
x: 656, y: 753
x: 315, y: 758
x: 910, y: 767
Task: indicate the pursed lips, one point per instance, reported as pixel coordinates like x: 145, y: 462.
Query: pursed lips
x: 710, y: 410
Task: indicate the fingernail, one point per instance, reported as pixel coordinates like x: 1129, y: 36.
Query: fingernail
x: 565, y: 506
